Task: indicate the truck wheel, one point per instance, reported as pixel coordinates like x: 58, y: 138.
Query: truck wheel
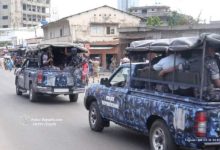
x: 160, y: 137
x: 96, y: 121
x: 18, y: 92
x: 32, y: 94
x: 73, y: 97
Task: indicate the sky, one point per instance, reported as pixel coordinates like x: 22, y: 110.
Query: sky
x: 207, y: 9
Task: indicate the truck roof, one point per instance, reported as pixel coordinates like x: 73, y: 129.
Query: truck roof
x: 174, y: 44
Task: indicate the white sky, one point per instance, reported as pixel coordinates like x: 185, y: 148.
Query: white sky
x: 209, y: 8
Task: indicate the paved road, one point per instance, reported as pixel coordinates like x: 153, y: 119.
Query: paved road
x: 55, y: 124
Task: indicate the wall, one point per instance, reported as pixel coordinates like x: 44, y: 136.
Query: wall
x: 52, y: 33
x: 129, y: 34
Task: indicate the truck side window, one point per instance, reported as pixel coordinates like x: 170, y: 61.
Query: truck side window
x: 25, y: 64
x: 120, y: 78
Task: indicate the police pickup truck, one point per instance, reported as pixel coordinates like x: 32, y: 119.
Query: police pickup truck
x: 135, y: 96
x: 60, y: 73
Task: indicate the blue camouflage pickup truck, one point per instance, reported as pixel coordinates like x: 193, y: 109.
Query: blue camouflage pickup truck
x: 135, y: 96
x: 51, y: 69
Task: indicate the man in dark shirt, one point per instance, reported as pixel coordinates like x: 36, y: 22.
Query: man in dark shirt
x: 212, y: 66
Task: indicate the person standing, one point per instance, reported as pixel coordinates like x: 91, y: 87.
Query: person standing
x: 113, y: 64
x: 96, y: 68
x: 90, y: 68
x: 85, y: 71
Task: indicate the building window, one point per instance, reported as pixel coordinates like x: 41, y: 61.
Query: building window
x: 34, y: 18
x: 38, y: 18
x: 5, y: 6
x: 24, y: 7
x: 29, y: 7
x: 97, y: 30
x: 29, y: 17
x: 33, y: 8
x: 48, y: 1
x: 61, y: 32
x: 24, y: 17
x: 24, y: 25
x: 5, y: 26
x: 38, y: 9
x: 43, y: 10
x: 4, y: 17
x: 144, y: 11
x: 110, y: 30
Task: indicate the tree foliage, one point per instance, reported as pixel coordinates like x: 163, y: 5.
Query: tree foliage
x: 153, y: 21
x: 180, y: 19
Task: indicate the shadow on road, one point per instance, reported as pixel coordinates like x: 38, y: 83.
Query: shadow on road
x: 44, y: 99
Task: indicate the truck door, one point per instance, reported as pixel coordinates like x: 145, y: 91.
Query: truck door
x: 29, y: 71
x: 21, y: 75
x: 115, y: 96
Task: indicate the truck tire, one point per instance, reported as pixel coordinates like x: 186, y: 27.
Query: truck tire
x: 32, y: 94
x: 18, y: 92
x: 160, y: 137
x: 73, y: 97
x: 96, y: 121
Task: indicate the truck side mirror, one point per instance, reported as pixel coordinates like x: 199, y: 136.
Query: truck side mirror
x: 105, y: 81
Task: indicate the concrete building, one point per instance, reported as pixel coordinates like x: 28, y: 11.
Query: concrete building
x: 163, y: 12
x: 124, y: 5
x: 129, y: 34
x: 23, y: 13
x: 97, y: 29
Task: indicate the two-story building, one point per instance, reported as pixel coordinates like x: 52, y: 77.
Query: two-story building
x: 97, y: 29
x: 163, y: 12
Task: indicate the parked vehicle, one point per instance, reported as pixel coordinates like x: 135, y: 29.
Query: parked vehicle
x: 135, y: 96
x: 60, y: 75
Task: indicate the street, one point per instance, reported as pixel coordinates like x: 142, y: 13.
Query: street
x: 55, y: 124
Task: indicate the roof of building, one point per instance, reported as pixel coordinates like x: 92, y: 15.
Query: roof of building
x: 150, y: 7
x: 93, y: 10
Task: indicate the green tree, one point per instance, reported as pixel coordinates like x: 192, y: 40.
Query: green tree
x: 153, y: 21
x: 180, y: 19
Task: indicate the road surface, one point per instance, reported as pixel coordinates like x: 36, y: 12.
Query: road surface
x: 55, y: 124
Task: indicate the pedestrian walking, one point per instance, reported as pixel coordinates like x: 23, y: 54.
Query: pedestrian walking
x: 96, y: 69
x: 85, y: 72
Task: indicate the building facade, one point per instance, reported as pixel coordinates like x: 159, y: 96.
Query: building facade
x: 124, y: 5
x: 163, y: 12
x: 97, y: 29
x: 23, y: 13
x: 130, y: 34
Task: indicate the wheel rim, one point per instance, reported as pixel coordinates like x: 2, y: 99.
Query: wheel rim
x: 158, y: 139
x: 93, y: 116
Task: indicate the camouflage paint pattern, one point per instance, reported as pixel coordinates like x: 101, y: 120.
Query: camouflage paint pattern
x: 134, y: 107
